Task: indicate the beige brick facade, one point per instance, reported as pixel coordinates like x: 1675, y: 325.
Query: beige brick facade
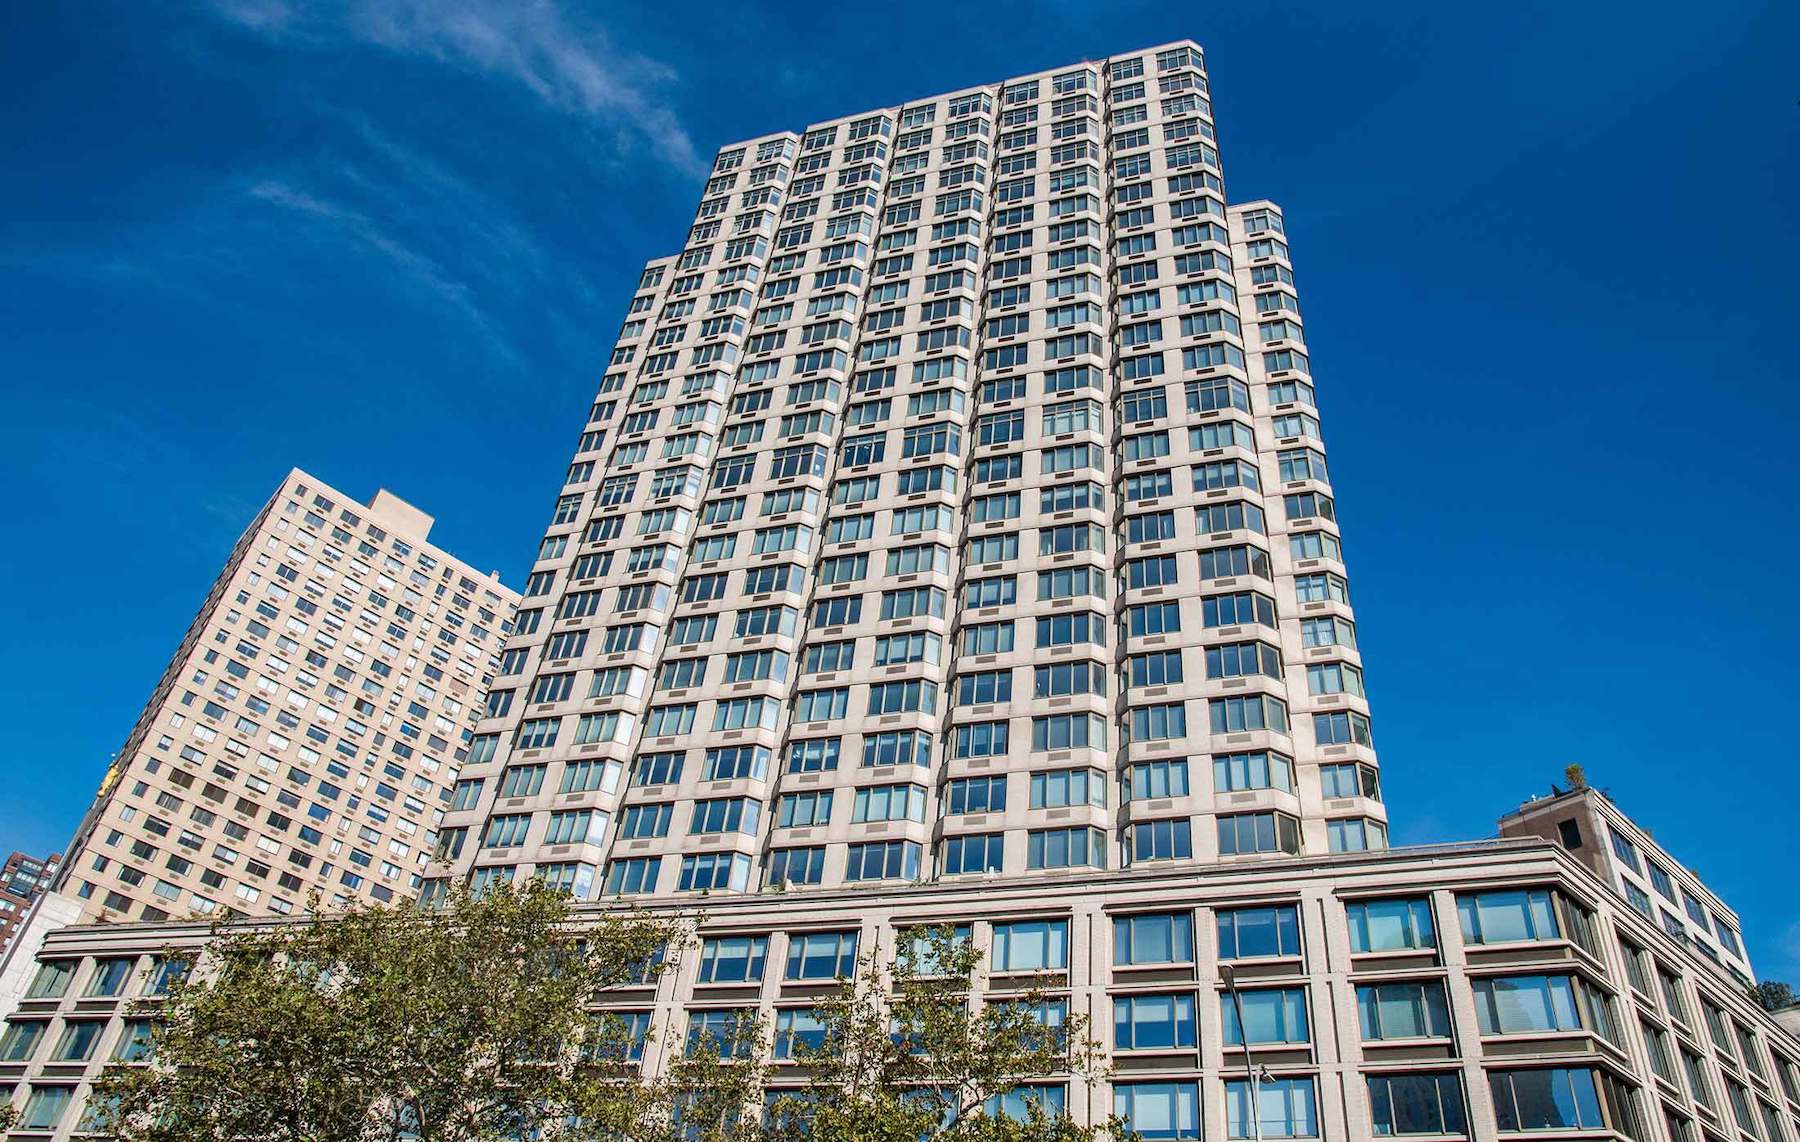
x: 1627, y: 856
x: 1486, y: 990
x: 306, y: 733
x: 953, y: 505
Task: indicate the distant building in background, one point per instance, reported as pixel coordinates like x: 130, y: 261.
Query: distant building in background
x: 21, y: 880
x: 306, y: 734
x: 1624, y: 854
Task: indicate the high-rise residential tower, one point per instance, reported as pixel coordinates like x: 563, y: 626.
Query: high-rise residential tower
x: 953, y: 504
x: 304, y: 736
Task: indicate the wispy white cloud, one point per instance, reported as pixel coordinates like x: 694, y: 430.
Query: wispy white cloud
x: 371, y: 237
x: 263, y: 15
x: 121, y: 444
x: 430, y: 198
x: 568, y: 63
x: 364, y: 213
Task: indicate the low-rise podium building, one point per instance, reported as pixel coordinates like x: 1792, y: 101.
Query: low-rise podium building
x: 1488, y: 990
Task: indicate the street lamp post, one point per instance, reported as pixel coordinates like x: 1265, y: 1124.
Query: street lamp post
x: 1251, y: 1072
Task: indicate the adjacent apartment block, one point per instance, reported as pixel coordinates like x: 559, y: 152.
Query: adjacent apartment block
x: 954, y: 504
x: 22, y: 879
x: 306, y: 733
x: 1624, y: 855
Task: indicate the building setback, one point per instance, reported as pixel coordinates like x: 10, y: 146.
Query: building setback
x: 1623, y: 853
x: 953, y: 505
x: 305, y: 734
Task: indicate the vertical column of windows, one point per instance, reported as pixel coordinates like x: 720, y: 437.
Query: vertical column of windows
x: 863, y: 726
x: 1334, y: 751
x: 1207, y: 698
x: 1029, y: 748
x: 551, y: 766
x: 766, y: 506
x: 699, y: 764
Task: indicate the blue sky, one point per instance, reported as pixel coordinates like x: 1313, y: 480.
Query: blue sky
x: 1546, y: 252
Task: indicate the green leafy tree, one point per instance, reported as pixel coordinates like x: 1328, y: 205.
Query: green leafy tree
x: 1773, y: 995
x: 474, y: 1023
x: 712, y: 1091
x: 468, y: 1023
x: 909, y: 1054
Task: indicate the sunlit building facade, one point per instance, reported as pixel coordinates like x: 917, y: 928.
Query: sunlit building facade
x: 954, y: 505
x: 1495, y: 990
x: 305, y: 736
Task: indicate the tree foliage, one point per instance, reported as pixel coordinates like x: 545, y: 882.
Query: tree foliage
x: 910, y: 1053
x: 463, y: 1024
x: 1773, y: 995
x: 474, y: 1023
